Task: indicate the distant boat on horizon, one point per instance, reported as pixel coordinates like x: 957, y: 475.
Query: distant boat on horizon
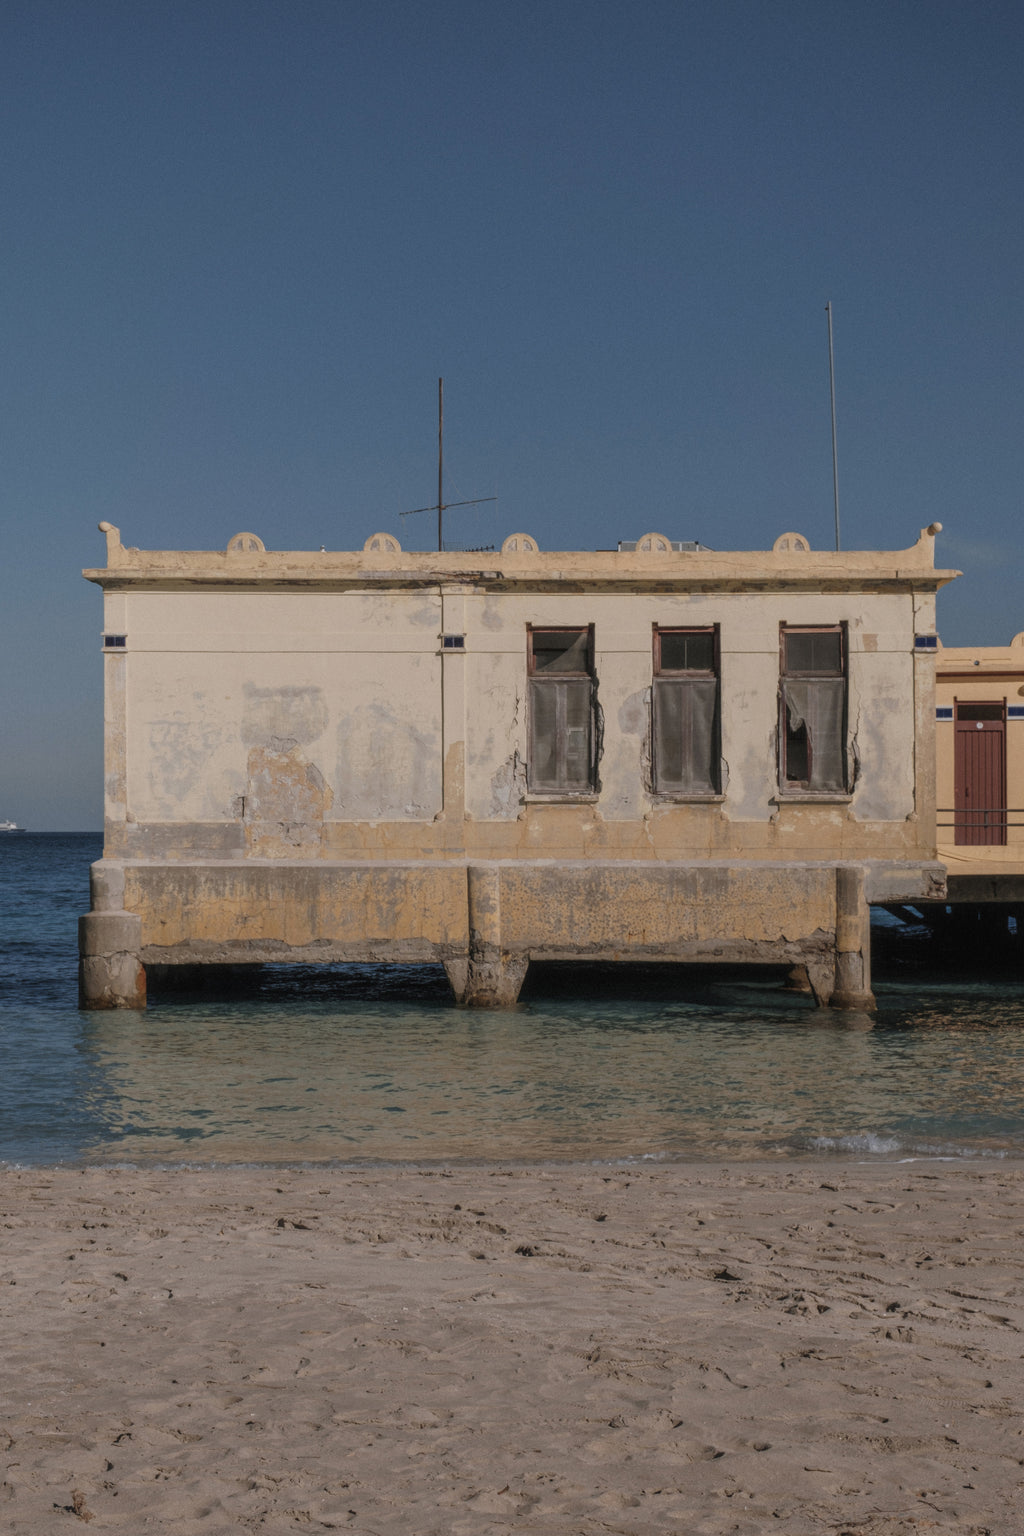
x: 10, y: 826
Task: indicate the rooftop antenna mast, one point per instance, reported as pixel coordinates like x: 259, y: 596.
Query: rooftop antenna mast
x: 832, y: 394
x: 441, y: 506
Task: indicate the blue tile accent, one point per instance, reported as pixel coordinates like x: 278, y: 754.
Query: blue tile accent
x: 926, y: 642
x: 1015, y: 712
x: 943, y: 713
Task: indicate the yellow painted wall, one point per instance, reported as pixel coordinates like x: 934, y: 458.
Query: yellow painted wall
x: 981, y: 674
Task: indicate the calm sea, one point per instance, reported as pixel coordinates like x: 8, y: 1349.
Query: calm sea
x: 349, y: 1065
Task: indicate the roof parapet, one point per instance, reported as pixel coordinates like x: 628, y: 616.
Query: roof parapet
x: 653, y: 558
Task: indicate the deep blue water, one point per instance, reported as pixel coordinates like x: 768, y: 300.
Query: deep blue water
x: 355, y: 1064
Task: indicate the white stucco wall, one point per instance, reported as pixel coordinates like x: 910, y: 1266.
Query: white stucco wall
x: 348, y: 682
x: 351, y: 685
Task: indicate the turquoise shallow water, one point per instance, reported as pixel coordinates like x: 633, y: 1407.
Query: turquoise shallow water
x: 350, y: 1065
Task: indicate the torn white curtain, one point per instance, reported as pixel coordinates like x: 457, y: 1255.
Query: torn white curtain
x: 819, y: 704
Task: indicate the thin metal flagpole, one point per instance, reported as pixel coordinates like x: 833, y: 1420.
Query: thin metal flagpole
x: 440, y: 465
x: 832, y: 393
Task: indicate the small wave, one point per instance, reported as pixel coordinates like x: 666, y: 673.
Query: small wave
x: 872, y: 1144
x: 867, y: 1142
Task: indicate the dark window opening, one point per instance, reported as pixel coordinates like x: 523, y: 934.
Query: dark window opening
x: 562, y: 709
x: 798, y: 757
x: 560, y: 650
x: 686, y: 749
x: 684, y: 650
x: 810, y: 652
x: 812, y: 709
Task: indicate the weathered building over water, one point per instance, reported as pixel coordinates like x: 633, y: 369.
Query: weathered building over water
x: 658, y: 752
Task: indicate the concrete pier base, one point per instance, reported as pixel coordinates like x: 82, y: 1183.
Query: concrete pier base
x: 852, y: 987
x: 490, y: 976
x: 110, y: 973
x: 494, y: 983
x: 484, y: 921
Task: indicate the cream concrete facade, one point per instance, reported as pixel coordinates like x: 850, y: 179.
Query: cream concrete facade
x: 328, y: 756
x: 991, y: 677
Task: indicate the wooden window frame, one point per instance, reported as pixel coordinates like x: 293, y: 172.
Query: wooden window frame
x: 804, y: 787
x: 663, y: 678
x: 558, y: 688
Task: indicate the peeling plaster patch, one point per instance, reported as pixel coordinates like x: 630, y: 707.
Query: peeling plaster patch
x: 508, y: 786
x: 290, y: 716
x: 854, y: 760
x: 647, y: 760
x: 635, y: 712
x: 493, y: 734
x: 386, y: 767
x: 426, y: 614
x: 454, y: 782
x: 631, y: 770
x: 490, y: 616
x: 869, y: 642
x: 598, y: 737
x: 753, y: 783
x: 885, y: 776
x: 285, y: 804
x: 180, y: 752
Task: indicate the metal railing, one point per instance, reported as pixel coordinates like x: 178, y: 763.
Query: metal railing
x: 991, y: 819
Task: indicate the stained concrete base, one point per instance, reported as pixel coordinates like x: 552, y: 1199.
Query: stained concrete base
x: 490, y: 983
x: 110, y: 972
x: 483, y: 922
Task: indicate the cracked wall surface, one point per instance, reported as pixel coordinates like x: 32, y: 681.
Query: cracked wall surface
x: 322, y: 724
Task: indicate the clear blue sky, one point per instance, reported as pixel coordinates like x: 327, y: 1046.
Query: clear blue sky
x: 244, y: 238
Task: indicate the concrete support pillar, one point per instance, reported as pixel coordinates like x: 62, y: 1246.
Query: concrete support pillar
x: 110, y: 973
x: 821, y: 979
x: 490, y: 977
x: 853, y: 941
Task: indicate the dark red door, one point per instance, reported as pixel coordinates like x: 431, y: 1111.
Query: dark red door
x: 980, y: 773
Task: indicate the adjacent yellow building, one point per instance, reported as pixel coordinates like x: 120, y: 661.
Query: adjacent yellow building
x: 980, y: 745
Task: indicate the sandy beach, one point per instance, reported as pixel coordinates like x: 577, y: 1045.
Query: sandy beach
x: 812, y: 1347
